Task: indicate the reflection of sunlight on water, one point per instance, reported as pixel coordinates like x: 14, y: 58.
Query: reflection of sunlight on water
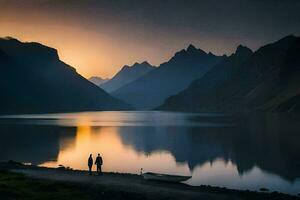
x: 123, y: 158
x: 154, y: 141
x: 120, y: 118
x: 116, y: 156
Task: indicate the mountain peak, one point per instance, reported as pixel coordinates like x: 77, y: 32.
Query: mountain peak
x: 243, y: 50
x: 98, y: 80
x: 191, y: 52
x: 126, y: 75
x: 25, y: 50
x: 191, y: 48
x: 125, y: 67
x: 145, y: 63
x: 289, y: 37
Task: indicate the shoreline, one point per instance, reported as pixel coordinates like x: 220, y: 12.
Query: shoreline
x: 134, y: 185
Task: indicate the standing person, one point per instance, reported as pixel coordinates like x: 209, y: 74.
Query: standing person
x: 99, y: 163
x: 90, y: 164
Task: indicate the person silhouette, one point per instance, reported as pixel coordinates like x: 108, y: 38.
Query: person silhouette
x: 99, y: 163
x: 90, y: 164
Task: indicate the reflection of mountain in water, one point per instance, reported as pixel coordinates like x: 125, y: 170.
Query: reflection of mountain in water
x: 269, y: 142
x: 33, y: 144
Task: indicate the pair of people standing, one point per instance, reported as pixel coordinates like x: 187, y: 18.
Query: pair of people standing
x: 98, y: 163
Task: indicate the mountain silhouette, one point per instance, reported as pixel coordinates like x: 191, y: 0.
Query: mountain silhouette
x: 214, y: 78
x: 244, y: 81
x: 168, y: 79
x: 286, y: 85
x: 98, y: 80
x: 126, y: 75
x: 34, y: 80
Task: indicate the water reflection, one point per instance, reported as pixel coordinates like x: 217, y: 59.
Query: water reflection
x: 34, y: 144
x: 117, y: 156
x: 233, y: 151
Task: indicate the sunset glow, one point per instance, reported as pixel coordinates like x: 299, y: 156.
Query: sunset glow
x: 99, y: 37
x: 117, y: 156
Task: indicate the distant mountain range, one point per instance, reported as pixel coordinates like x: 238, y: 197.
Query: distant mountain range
x: 126, y: 75
x: 98, y: 80
x: 268, y: 80
x: 34, y: 80
x: 151, y: 89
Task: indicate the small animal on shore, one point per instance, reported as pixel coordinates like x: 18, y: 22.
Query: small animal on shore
x: 99, y: 163
x: 90, y: 164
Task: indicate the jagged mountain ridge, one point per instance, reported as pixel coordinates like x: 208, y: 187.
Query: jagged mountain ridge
x: 253, y: 85
x: 126, y: 75
x: 168, y: 79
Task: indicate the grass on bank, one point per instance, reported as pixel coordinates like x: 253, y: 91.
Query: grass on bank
x: 14, y: 186
x: 18, y: 186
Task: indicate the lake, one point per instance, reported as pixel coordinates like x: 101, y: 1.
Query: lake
x: 234, y: 151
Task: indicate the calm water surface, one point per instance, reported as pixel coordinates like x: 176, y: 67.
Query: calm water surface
x: 242, y: 152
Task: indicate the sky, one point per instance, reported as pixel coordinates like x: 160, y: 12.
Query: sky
x: 98, y: 37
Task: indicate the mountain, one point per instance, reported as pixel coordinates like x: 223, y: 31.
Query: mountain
x: 203, y: 87
x: 34, y: 80
x: 168, y: 79
x: 126, y: 75
x: 98, y: 80
x: 288, y: 82
x: 261, y: 80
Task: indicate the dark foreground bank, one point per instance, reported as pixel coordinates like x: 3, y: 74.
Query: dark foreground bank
x: 18, y: 181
